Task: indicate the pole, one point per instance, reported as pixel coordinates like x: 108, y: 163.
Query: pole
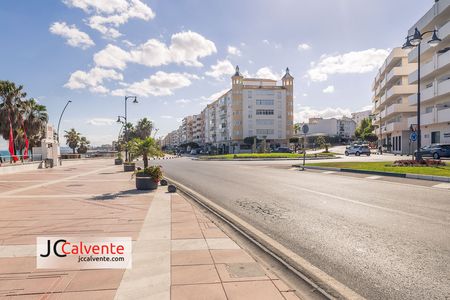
x: 304, y: 151
x: 419, y: 134
x: 60, y: 117
x: 126, y: 130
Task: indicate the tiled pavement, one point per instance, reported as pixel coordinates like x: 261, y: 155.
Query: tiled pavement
x: 178, y: 253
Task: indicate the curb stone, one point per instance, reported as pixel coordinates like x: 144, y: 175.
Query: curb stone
x: 391, y: 174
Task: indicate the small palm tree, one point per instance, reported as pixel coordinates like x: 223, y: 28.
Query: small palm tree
x: 72, y: 139
x: 84, y: 143
x: 143, y: 128
x: 145, y: 148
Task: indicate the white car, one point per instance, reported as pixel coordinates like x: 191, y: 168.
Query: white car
x: 357, y: 150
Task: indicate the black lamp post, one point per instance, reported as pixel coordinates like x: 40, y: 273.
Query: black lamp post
x: 412, y: 41
x: 60, y: 117
x: 126, y: 121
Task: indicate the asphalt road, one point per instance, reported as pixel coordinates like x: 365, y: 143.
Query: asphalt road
x: 385, y: 240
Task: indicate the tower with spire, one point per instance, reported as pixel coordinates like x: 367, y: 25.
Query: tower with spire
x: 237, y: 83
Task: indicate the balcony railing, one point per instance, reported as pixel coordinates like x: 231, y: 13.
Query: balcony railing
x: 433, y: 67
x: 426, y: 49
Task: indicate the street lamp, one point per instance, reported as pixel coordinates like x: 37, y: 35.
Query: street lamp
x: 60, y: 117
x: 412, y: 41
x: 126, y: 121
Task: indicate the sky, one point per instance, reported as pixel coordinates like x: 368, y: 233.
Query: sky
x: 176, y: 55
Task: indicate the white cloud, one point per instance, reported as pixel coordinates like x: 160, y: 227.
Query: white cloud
x: 93, y: 79
x: 305, y: 95
x: 158, y: 84
x: 220, y: 69
x: 266, y: 42
x: 100, y: 122
x: 185, y: 48
x: 267, y: 73
x: 329, y: 89
x: 183, y: 101
x: 355, y: 62
x: 74, y: 36
x: 234, y: 51
x: 303, y: 46
x: 107, y: 15
x: 112, y: 57
x: 166, y: 117
x: 215, y: 96
x: 306, y: 112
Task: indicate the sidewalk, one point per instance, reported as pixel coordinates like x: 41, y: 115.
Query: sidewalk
x: 178, y: 253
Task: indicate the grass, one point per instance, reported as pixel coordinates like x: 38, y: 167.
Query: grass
x: 387, y: 167
x: 265, y: 155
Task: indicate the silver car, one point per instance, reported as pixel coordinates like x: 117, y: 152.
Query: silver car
x: 357, y: 150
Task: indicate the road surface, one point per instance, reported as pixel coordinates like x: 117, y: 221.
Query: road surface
x: 385, y: 240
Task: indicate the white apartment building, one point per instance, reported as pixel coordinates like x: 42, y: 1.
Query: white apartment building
x: 391, y: 109
x: 333, y: 127
x: 359, y: 116
x: 435, y: 76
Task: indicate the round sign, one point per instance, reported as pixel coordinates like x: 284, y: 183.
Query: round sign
x: 413, y: 136
x: 305, y: 128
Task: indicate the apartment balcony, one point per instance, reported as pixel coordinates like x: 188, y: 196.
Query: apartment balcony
x: 436, y: 67
x: 425, y: 23
x: 397, y: 126
x: 434, y: 117
x: 397, y: 72
x: 436, y: 91
x: 396, y: 109
x: 399, y: 90
x: 426, y: 50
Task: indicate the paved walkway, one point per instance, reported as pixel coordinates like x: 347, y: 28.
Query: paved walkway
x: 178, y: 253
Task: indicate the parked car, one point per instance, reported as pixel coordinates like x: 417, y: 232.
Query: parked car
x: 193, y: 152
x: 283, y: 150
x: 436, y: 151
x: 357, y: 150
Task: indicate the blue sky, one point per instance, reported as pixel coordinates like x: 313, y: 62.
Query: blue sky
x: 175, y: 54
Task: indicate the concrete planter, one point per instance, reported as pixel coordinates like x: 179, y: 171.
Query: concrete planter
x: 129, y: 167
x: 146, y: 183
x: 118, y: 161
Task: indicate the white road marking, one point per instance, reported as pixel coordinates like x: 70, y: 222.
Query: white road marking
x: 442, y: 186
x: 373, y: 177
x: 329, y: 172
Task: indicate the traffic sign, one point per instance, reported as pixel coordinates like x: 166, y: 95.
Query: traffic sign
x: 413, y: 136
x: 305, y: 128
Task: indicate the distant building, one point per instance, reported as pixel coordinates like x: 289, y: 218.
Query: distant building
x: 361, y: 115
x: 252, y: 107
x: 344, y: 127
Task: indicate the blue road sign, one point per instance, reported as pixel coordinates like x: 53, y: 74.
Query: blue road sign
x: 413, y: 136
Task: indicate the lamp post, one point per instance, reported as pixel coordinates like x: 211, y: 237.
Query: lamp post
x: 126, y: 121
x: 413, y: 41
x: 60, y: 117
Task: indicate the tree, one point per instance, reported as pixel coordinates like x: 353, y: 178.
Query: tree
x: 84, y: 143
x: 143, y: 129
x: 145, y: 148
x: 73, y: 139
x: 365, y: 131
x: 35, y: 120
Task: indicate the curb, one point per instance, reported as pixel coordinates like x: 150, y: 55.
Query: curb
x: 318, y: 279
x: 391, y: 174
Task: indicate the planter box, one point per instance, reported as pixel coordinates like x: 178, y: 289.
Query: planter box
x: 127, y: 167
x: 118, y: 161
x: 146, y: 183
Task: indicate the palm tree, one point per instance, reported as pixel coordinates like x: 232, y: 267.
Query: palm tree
x: 73, y: 139
x: 11, y: 97
x: 145, y: 148
x: 84, y: 143
x: 34, y: 117
x: 143, y: 129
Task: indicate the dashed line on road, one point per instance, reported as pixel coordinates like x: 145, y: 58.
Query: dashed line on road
x: 442, y: 186
x: 373, y: 177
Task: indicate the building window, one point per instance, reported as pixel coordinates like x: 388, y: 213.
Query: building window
x: 264, y: 131
x: 264, y: 112
x: 264, y: 102
x: 264, y: 121
x: 250, y: 116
